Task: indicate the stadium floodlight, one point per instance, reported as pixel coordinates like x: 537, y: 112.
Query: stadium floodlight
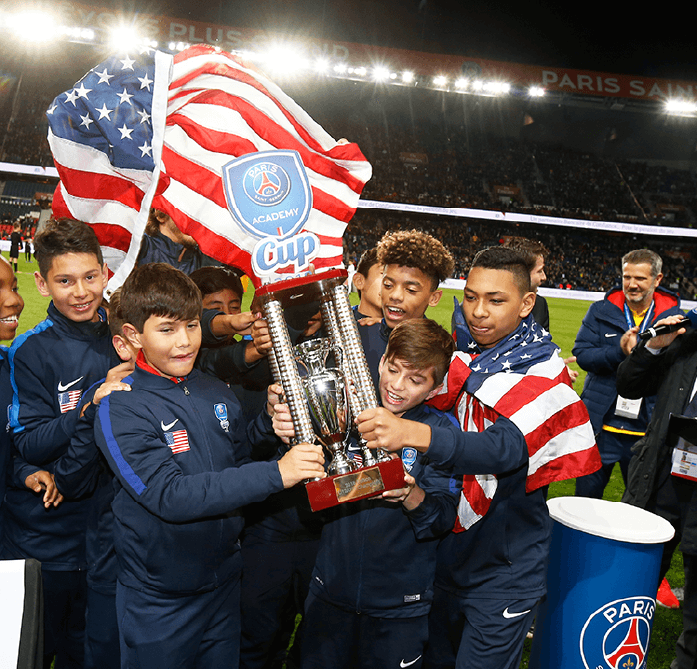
x: 360, y: 71
x: 125, y: 38
x: 321, y: 65
x: 407, y: 77
x: 497, y: 88
x: 37, y: 27
x: 461, y: 83
x: 286, y: 59
x: 340, y: 68
x: 381, y: 74
x: 680, y: 106
x: 440, y: 80
x: 536, y: 92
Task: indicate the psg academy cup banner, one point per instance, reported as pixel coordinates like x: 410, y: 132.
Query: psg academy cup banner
x: 211, y: 141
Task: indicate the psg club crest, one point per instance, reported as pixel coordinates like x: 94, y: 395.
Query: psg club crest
x: 269, y: 195
x: 616, y: 636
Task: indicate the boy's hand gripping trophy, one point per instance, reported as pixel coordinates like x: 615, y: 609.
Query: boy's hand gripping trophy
x: 323, y: 400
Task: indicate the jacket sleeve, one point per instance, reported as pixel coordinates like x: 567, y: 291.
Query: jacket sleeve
x: 641, y: 373
x: 148, y: 471
x: 437, y: 512
x: 40, y: 432
x: 77, y: 470
x: 263, y: 442
x: 498, y: 449
x: 594, y: 352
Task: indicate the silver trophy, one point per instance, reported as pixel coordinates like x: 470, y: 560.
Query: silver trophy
x: 326, y: 394
x: 324, y: 401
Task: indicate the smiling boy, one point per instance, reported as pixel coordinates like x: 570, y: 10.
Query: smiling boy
x: 176, y: 443
x: 413, y: 265
x: 522, y: 427
x: 359, y: 613
x: 50, y: 368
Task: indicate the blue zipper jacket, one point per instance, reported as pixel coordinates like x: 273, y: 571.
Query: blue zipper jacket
x: 51, y: 366
x: 177, y: 451
x: 370, y: 560
x: 504, y: 554
x: 597, y: 350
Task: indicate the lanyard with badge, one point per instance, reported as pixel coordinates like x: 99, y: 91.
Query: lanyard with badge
x: 624, y: 407
x: 684, y: 460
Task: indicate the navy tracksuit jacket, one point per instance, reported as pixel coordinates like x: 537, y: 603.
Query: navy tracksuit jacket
x: 51, y: 366
x: 370, y: 559
x: 176, y: 449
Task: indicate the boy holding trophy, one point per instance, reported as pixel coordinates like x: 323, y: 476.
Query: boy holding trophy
x: 359, y: 612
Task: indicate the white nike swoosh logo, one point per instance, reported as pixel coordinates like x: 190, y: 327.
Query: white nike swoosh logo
x: 506, y: 614
x: 607, y: 334
x: 408, y: 664
x: 167, y: 427
x: 62, y: 388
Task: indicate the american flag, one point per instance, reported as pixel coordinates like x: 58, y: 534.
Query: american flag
x: 524, y: 379
x: 148, y: 129
x: 178, y: 441
x: 69, y: 400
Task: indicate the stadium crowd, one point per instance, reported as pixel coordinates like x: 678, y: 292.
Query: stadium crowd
x: 577, y: 260
x: 446, y: 166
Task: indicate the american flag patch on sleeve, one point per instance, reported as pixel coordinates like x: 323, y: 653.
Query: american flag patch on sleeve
x: 69, y: 400
x: 178, y: 441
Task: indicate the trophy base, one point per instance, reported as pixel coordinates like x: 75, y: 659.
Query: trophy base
x: 360, y: 484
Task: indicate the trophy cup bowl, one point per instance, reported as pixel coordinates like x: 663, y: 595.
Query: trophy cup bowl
x: 326, y: 393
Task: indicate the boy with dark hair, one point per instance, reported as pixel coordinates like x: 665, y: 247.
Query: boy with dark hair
x: 220, y: 287
x: 81, y: 472
x: 367, y: 280
x: 175, y: 443
x: 11, y: 305
x: 524, y: 427
x: 535, y: 254
x: 358, y: 613
x: 413, y: 265
x: 51, y: 367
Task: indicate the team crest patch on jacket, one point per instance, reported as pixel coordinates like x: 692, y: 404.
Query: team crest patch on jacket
x: 408, y: 457
x: 178, y: 441
x: 221, y: 414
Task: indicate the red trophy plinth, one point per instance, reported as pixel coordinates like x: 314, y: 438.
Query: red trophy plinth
x: 359, y: 484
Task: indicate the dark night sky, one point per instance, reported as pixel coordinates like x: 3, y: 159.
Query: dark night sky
x: 651, y: 42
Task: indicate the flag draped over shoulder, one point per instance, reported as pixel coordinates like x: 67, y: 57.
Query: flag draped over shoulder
x: 524, y: 379
x: 152, y: 130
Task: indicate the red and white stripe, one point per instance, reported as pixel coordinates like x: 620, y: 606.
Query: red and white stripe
x: 220, y: 108
x: 546, y: 409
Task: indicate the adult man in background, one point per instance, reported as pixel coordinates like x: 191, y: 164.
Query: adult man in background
x: 617, y: 422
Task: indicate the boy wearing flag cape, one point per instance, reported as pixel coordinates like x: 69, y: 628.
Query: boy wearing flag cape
x: 522, y: 427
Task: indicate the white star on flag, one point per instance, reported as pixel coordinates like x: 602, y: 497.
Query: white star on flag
x: 125, y: 132
x: 104, y: 77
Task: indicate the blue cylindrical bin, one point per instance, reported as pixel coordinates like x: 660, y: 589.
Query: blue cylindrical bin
x: 601, y: 585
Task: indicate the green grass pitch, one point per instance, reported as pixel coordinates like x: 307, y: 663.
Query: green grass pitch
x: 565, y: 320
